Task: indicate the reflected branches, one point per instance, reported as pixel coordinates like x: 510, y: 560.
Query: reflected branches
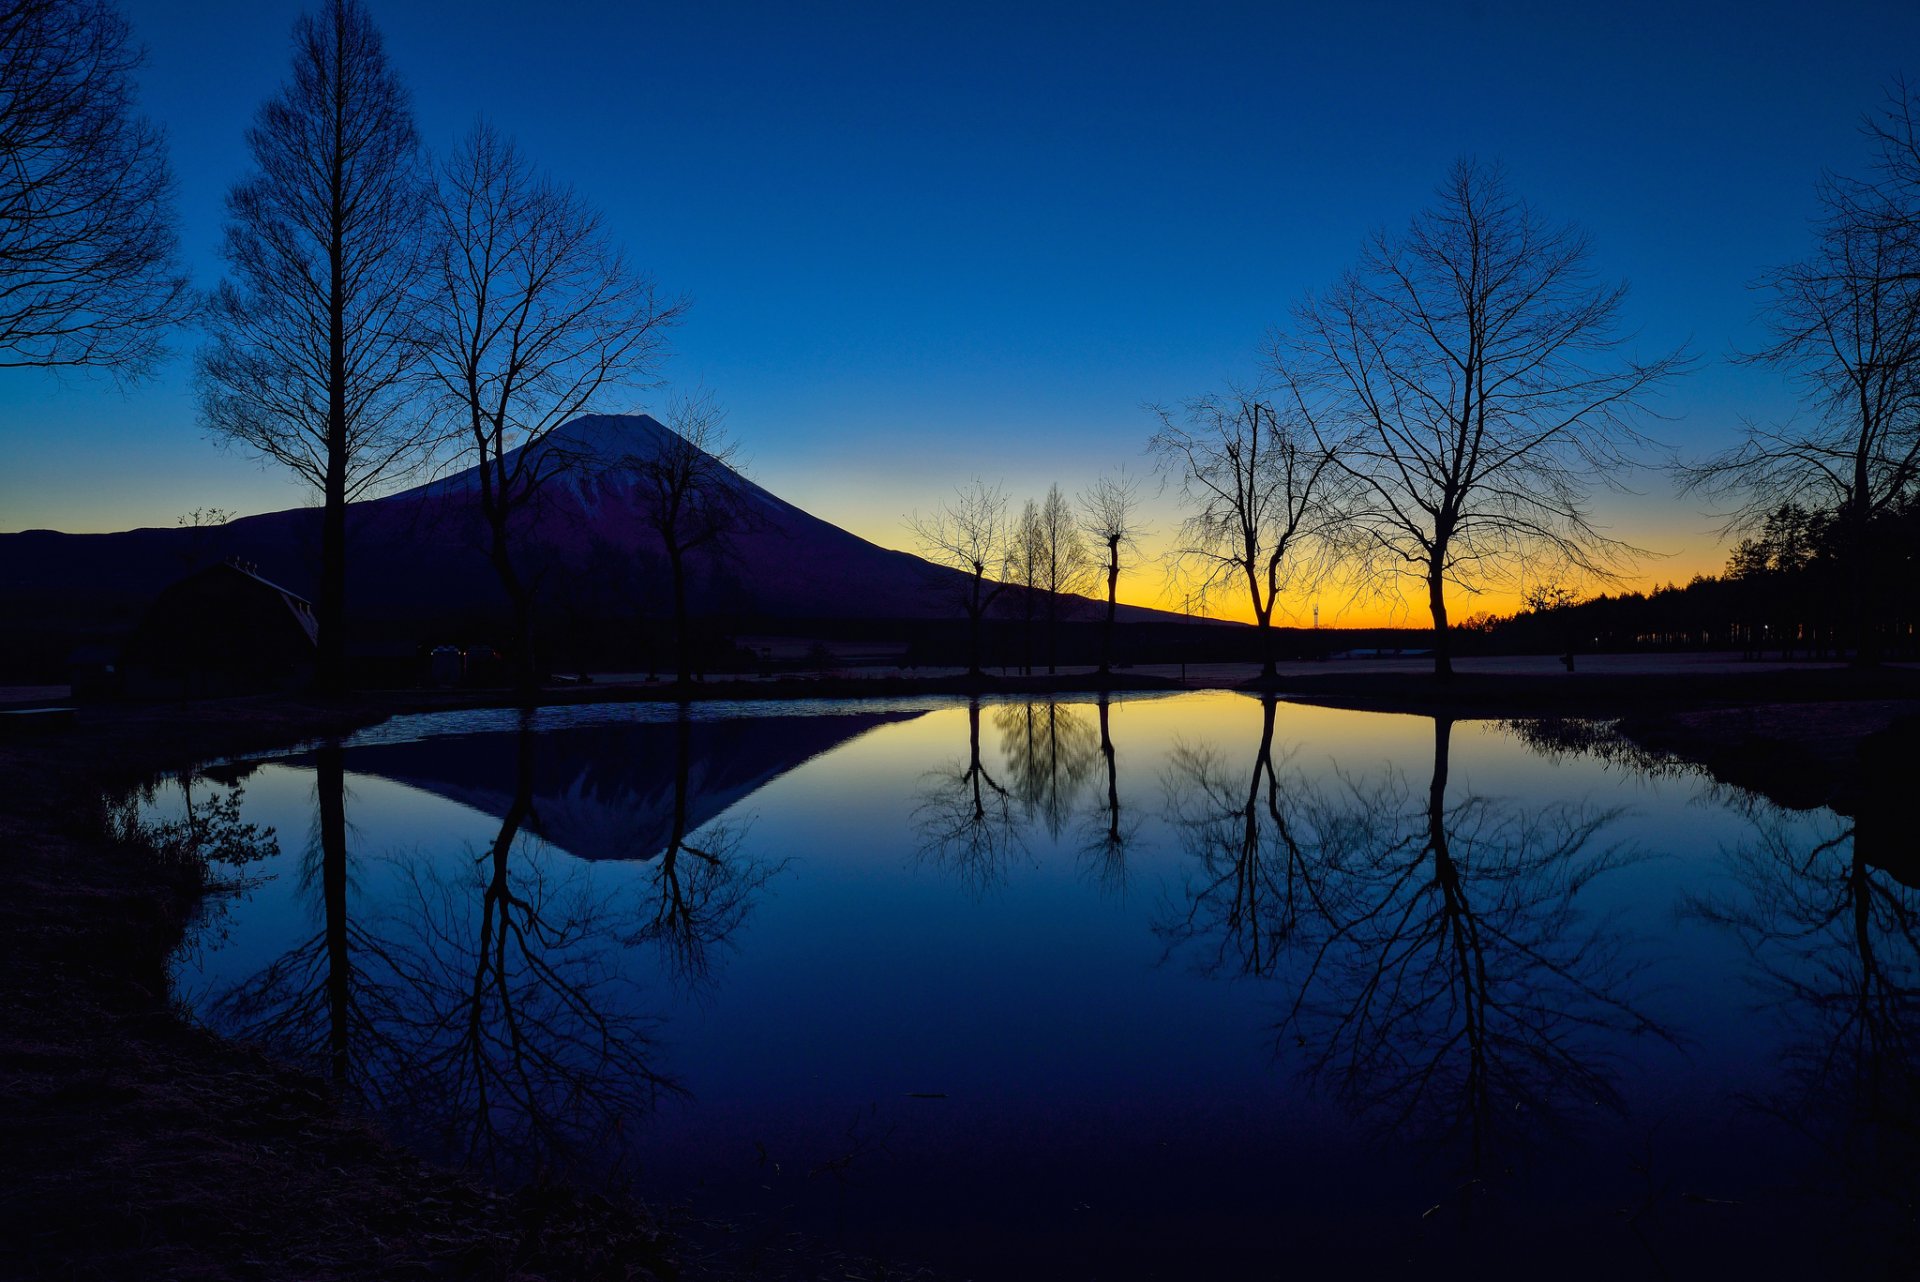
x: 1829, y: 913
x: 704, y: 884
x: 1464, y: 987
x: 1444, y: 976
x: 1259, y: 857
x: 1106, y: 834
x: 1050, y: 752
x: 965, y: 818
x: 486, y: 1006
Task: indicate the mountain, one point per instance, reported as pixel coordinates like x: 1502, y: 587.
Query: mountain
x: 417, y: 554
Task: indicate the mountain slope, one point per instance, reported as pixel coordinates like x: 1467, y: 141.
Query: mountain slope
x: 418, y: 553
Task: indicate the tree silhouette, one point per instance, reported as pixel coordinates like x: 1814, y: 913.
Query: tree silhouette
x: 1258, y: 492
x: 535, y: 316
x: 313, y: 339
x: 969, y: 533
x: 1061, y: 564
x: 1468, y: 380
x: 1846, y: 325
x: 1110, y: 517
x: 89, y: 261
x: 690, y: 497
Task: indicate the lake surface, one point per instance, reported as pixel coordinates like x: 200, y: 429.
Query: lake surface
x: 1181, y: 986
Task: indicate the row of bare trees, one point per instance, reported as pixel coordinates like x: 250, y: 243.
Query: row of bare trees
x: 1051, y: 553
x: 1439, y: 417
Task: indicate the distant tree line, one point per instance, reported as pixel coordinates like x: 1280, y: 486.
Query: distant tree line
x: 1785, y: 593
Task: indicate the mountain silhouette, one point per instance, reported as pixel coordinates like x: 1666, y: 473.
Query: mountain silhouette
x: 418, y: 554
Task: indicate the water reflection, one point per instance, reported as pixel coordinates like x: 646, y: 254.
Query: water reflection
x: 1050, y: 751
x: 1445, y: 980
x: 965, y: 818
x: 1830, y: 919
x: 480, y: 1002
x: 703, y: 881
x: 1363, y: 967
x: 1107, y: 833
x: 1259, y: 855
x: 618, y: 791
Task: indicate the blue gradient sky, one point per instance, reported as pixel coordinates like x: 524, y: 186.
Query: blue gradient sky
x: 923, y: 243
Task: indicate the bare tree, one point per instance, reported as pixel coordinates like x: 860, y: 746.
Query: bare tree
x: 969, y: 533
x: 1062, y: 564
x: 691, y: 498
x: 1468, y: 379
x: 1846, y: 324
x: 313, y: 338
x: 1256, y: 484
x: 1025, y: 557
x: 1110, y: 518
x: 535, y: 315
x: 89, y: 264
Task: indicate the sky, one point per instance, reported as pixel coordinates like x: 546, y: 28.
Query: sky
x: 924, y: 243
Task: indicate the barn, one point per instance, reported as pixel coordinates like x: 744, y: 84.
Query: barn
x: 223, y: 630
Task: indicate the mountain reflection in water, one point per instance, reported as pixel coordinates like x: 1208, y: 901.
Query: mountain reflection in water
x: 1161, y: 987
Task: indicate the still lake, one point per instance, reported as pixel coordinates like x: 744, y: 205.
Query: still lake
x: 1166, y: 986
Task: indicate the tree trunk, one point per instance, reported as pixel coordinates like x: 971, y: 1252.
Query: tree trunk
x: 683, y: 658
x: 1861, y: 585
x: 1442, y: 638
x: 526, y: 670
x: 330, y: 612
x: 1113, y: 587
x: 330, y: 785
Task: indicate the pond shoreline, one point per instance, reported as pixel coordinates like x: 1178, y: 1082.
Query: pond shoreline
x: 136, y: 1143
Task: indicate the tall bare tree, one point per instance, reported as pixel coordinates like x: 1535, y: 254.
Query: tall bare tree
x: 314, y: 336
x: 691, y: 497
x: 970, y: 533
x: 1110, y: 518
x: 535, y: 316
x: 1468, y: 379
x: 1026, y: 556
x: 1256, y: 485
x: 1846, y: 324
x: 89, y: 264
x: 1061, y: 564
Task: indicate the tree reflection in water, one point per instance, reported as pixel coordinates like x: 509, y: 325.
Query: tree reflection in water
x: 486, y: 1007
x: 1106, y: 833
x: 1445, y: 980
x: 704, y: 882
x: 1050, y: 751
x: 1829, y: 912
x: 1260, y: 856
x: 965, y: 818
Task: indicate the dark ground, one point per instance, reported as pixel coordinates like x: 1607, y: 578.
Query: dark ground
x: 135, y: 1145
